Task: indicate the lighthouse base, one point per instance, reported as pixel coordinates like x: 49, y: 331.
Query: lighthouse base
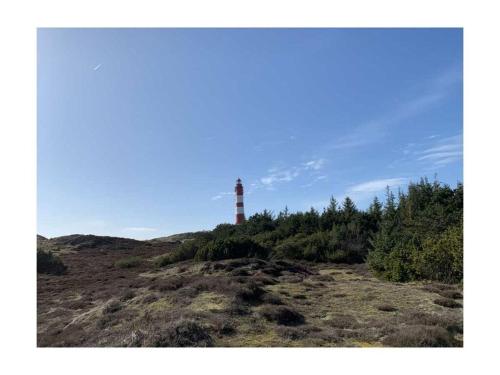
x: 240, y: 218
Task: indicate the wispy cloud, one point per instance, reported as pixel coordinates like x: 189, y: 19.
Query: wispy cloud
x: 139, y: 229
x: 375, y: 186
x: 281, y: 175
x: 377, y: 129
x: 430, y: 153
x: 441, y: 155
x: 286, y: 175
x: 443, y: 152
x: 314, y: 164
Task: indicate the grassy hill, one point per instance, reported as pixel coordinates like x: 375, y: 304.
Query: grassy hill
x: 114, y: 294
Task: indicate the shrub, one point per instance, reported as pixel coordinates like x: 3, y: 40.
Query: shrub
x: 106, y: 321
x: 268, y: 240
x: 222, y: 326
x: 237, y: 308
x: 187, y: 250
x: 233, y: 247
x: 128, y: 262
x: 169, y: 283
x: 282, y: 315
x: 428, y: 319
x: 447, y: 302
x: 317, y: 247
x: 387, y: 308
x: 272, y: 299
x: 250, y: 293
x: 343, y: 321
x: 451, y: 294
x: 291, y: 248
x: 349, y: 240
x: 183, y: 333
x: 48, y: 263
x: 441, y: 257
x: 420, y: 336
x: 431, y: 288
x: 291, y: 333
x: 112, y: 307
x: 239, y: 272
x: 399, y: 262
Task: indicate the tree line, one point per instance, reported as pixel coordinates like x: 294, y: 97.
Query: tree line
x: 416, y: 234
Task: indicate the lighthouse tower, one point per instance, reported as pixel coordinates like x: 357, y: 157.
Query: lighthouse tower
x: 240, y: 213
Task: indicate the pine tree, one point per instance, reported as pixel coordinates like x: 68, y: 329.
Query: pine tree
x: 390, y: 204
x: 375, y: 209
x: 329, y: 216
x: 349, y: 210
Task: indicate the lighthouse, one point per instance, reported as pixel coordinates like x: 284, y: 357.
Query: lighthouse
x: 240, y: 213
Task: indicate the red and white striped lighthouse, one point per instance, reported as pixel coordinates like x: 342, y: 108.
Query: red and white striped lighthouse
x: 240, y: 213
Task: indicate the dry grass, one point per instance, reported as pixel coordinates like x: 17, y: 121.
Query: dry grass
x: 240, y: 302
x: 420, y: 336
x: 342, y: 321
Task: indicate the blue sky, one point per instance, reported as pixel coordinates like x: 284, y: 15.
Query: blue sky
x: 143, y: 132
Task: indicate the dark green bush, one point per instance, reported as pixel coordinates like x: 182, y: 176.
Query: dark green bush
x: 399, y: 263
x: 185, y: 251
x: 318, y: 247
x: 232, y: 247
x: 47, y: 262
x: 291, y: 248
x: 441, y: 257
x: 268, y: 240
x: 128, y: 262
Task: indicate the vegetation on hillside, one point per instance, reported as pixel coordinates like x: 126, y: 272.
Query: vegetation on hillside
x: 128, y: 262
x: 416, y: 235
x: 47, y: 262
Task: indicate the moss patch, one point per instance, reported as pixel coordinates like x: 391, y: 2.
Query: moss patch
x: 209, y: 301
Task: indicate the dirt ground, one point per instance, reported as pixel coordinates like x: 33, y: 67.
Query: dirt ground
x: 241, y: 302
